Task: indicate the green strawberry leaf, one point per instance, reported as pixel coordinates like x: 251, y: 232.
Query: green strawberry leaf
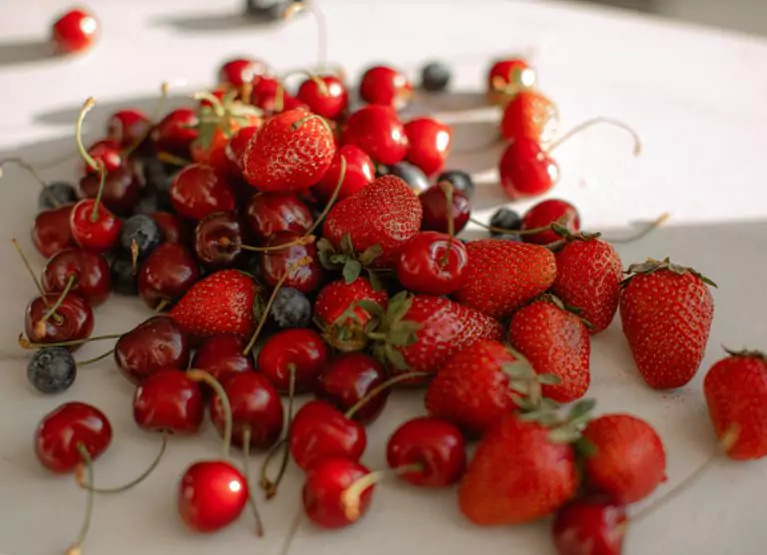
x: 352, y: 270
x: 564, y: 435
x: 371, y: 307
x: 549, y: 379
x: 396, y: 357
x: 518, y: 370
x: 375, y: 281
x: 585, y: 447
x: 580, y: 413
x: 403, y: 334
x: 399, y: 304
x: 347, y: 247
x: 370, y: 254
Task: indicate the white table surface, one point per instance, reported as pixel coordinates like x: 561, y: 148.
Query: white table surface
x: 697, y: 98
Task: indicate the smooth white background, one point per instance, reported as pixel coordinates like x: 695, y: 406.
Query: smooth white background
x: 695, y: 95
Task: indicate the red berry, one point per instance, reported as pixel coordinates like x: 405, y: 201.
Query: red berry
x: 325, y: 96
x: 93, y: 280
x: 128, y: 127
x: 72, y: 321
x: 267, y: 214
x: 506, y: 78
x: 527, y: 170
x: 218, y: 240
x: 222, y: 354
x: 436, y: 213
x: 238, y: 144
x: 198, y: 190
x: 51, y: 231
x: 239, y: 71
x: 360, y: 172
x: 168, y: 273
x: 301, y: 349
x: 122, y: 188
x: 211, y: 495
x: 173, y: 228
x: 154, y: 344
x: 106, y: 153
x: 378, y: 131
x: 75, y: 31
x: 168, y: 401
x: 432, y: 263
x: 386, y: 86
x: 175, y: 132
x: 97, y: 234
x: 531, y: 115
x: 593, y: 525
x: 430, y: 141
x: 546, y: 213
x: 274, y: 264
x: 323, y: 491
x: 349, y: 378
x: 319, y: 431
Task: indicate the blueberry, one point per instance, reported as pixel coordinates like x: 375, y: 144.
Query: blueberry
x: 435, y: 76
x: 291, y: 309
x: 142, y: 230
x: 505, y: 218
x: 124, y: 282
x: 459, y: 180
x: 411, y: 174
x: 56, y: 194
x: 52, y: 370
x: 153, y: 201
x: 158, y: 175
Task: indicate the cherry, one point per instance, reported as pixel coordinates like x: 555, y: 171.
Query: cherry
x: 218, y: 240
x: 239, y: 71
x: 529, y: 114
x: 377, y: 131
x: 436, y: 446
x: 264, y: 92
x: 51, y: 232
x: 433, y: 263
x: 58, y: 318
x: 256, y: 406
x: 128, y: 127
x: 360, y: 171
x: 122, y: 188
x: 68, y: 429
x: 173, y: 229
x: 166, y: 275
x: 238, y: 143
x: 435, y: 213
x: 106, y: 153
x: 211, y: 495
x: 323, y: 493
x: 93, y: 280
x: 75, y: 31
x: 198, y: 190
x: 222, y: 354
x: 175, y: 132
x: 168, y: 401
x: 385, y: 86
x: 507, y: 77
x: 325, y: 96
x: 154, y: 344
x: 526, y: 169
x: 277, y: 263
x: 594, y: 525
x: 301, y: 351
x: 430, y: 141
x: 349, y: 378
x: 267, y: 214
x: 546, y: 213
x: 93, y: 226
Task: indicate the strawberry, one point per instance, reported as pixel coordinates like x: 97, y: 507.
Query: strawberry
x: 589, y: 272
x: 502, y: 275
x: 369, y: 227
x: 529, y: 114
x: 555, y: 341
x: 291, y: 151
x: 736, y: 394
x: 342, y: 319
x: 224, y: 302
x: 419, y: 333
x: 629, y: 460
x: 666, y: 312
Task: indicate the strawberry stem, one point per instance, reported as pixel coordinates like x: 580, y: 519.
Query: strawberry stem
x: 377, y: 390
x: 598, y: 121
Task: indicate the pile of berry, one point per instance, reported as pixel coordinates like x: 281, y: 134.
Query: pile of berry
x: 295, y: 245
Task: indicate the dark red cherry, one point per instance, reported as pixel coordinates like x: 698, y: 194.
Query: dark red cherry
x: 72, y: 320
x: 122, y: 188
x: 211, y: 495
x: 175, y: 132
x: 94, y: 227
x: 319, y: 431
x: 154, y: 344
x: 430, y: 141
x: 239, y: 71
x: 218, y: 240
x: 546, y: 213
x: 127, y: 127
x: 264, y: 91
x: 437, y: 446
x: 594, y: 525
x: 386, y: 86
x: 430, y: 262
x: 63, y: 430
x: 299, y: 348
x: 360, y: 171
x: 435, y: 212
x: 347, y: 379
x: 266, y: 214
x: 106, y: 152
x: 168, y: 401
x: 325, y: 96
x: 256, y: 406
x: 167, y: 274
x: 506, y: 77
x: 174, y: 230
x: 93, y: 280
x: 222, y: 354
x: 306, y: 278
x: 198, y: 190
x: 51, y: 232
x: 527, y: 170
x: 323, y: 493
x: 75, y: 31
x: 378, y: 131
x: 238, y: 143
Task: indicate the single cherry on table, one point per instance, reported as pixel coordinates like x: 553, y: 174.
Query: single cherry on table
x: 75, y: 31
x: 594, y: 525
x: 324, y: 488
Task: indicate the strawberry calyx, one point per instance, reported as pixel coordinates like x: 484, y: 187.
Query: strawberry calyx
x: 390, y: 330
x: 567, y: 429
x: 226, y: 115
x: 651, y: 266
x: 569, y: 236
x: 556, y: 301
x: 348, y: 261
x: 347, y: 333
x: 747, y: 353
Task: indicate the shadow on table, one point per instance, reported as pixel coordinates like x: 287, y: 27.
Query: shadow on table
x: 24, y: 52
x: 215, y: 22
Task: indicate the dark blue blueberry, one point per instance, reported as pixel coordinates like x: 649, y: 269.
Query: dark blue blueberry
x: 124, y: 282
x: 459, y: 180
x: 435, y: 77
x: 144, y: 232
x: 411, y: 174
x: 158, y: 176
x: 153, y: 201
x: 505, y: 218
x: 291, y: 309
x: 52, y: 370
x: 56, y: 194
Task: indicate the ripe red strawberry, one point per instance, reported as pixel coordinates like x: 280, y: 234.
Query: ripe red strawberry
x: 223, y: 302
x: 555, y: 341
x: 629, y: 461
x: 291, y: 151
x: 529, y: 114
x: 503, y: 275
x: 589, y: 273
x: 666, y: 312
x: 371, y: 225
x: 419, y: 333
x: 736, y: 394
x: 342, y: 319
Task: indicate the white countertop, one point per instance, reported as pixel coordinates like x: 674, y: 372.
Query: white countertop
x: 695, y: 95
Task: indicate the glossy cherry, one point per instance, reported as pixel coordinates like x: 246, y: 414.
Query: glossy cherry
x: 323, y: 493
x: 360, y: 171
x: 211, y: 495
x: 274, y: 264
x: 239, y: 71
x: 75, y: 31
x: 167, y: 274
x: 526, y: 169
x: 300, y: 349
x: 122, y: 188
x: 433, y: 263
x: 218, y: 240
x: 430, y: 141
x: 63, y: 430
x: 97, y: 234
x: 222, y: 354
x: 438, y: 447
x: 168, y: 401
x: 71, y: 321
x: 154, y: 344
x: 173, y: 229
x: 378, y: 132
x: 106, y: 152
x: 128, y: 127
x: 594, y: 525
x: 530, y: 114
x: 507, y: 77
x: 347, y: 379
x: 264, y: 92
x: 93, y: 280
x: 546, y: 213
x: 319, y: 431
x: 51, y: 232
x: 198, y: 190
x: 267, y: 214
x: 385, y: 86
x: 238, y: 143
x: 325, y: 96
x: 434, y: 201
x: 175, y: 132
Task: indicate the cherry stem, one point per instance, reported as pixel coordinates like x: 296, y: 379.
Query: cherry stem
x: 28, y: 266
x: 269, y: 486
x: 125, y: 487
x: 333, y: 197
x: 301, y: 241
x: 598, y: 121
x: 134, y: 256
x: 321, y: 85
x: 641, y: 234
x: 299, y: 263
x: 297, y: 124
x: 351, y: 496
x: 24, y: 343
x: 162, y: 305
x: 198, y: 375
x: 322, y: 33
x: 40, y: 325
x: 266, y: 484
x: 168, y: 158
x: 97, y: 166
x: 28, y: 167
x: 532, y: 231
x: 164, y: 88
x: 377, y: 390
x: 447, y: 188
x: 214, y: 101
x: 246, y: 439
x: 75, y: 548
x: 96, y: 359
x: 102, y: 182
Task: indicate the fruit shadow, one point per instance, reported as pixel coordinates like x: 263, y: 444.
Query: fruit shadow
x: 25, y: 51
x: 215, y: 22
